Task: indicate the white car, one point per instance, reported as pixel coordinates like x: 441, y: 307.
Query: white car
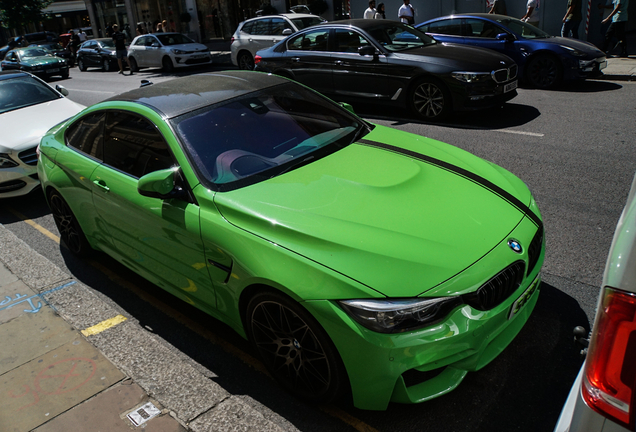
x: 29, y: 107
x: 262, y: 32
x: 602, y: 398
x: 166, y: 50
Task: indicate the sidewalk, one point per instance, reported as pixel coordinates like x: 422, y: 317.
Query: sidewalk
x: 71, y: 362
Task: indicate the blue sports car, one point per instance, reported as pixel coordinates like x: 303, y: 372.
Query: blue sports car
x: 543, y: 60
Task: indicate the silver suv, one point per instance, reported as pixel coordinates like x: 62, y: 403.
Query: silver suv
x: 262, y: 32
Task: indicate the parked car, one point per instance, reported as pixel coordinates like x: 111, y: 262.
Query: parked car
x: 544, y: 60
x: 57, y: 50
x: 12, y: 43
x: 263, y: 32
x: 99, y: 53
x: 24, y: 99
x: 167, y: 50
x: 36, y: 60
x: 316, y: 231
x: 390, y: 62
x: 602, y: 397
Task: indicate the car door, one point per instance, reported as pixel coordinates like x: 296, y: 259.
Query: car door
x: 160, y: 239
x: 260, y: 36
x: 153, y: 52
x: 356, y: 75
x: 10, y: 61
x: 89, y: 54
x: 447, y: 30
x: 483, y: 33
x: 309, y: 59
x: 138, y: 50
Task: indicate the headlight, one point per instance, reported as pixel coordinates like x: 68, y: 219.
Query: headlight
x: 178, y: 51
x: 573, y: 51
x: 6, y: 161
x: 471, y: 77
x: 394, y: 316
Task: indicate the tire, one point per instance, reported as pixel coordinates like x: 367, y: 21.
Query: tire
x: 133, y: 64
x: 430, y: 100
x: 80, y: 65
x: 544, y: 72
x: 167, y: 64
x: 245, y: 61
x: 65, y: 75
x: 70, y: 231
x: 295, y: 348
x: 106, y: 66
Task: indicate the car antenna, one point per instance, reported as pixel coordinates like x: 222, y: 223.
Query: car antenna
x: 145, y: 83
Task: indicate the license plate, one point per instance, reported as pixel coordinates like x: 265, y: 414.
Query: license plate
x: 524, y: 298
x: 602, y: 65
x: 198, y: 56
x: 53, y: 70
x: 510, y: 86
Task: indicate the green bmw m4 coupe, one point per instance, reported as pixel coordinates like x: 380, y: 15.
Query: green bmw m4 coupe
x: 357, y: 259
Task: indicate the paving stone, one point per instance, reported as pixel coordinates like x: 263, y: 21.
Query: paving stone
x: 233, y: 415
x: 6, y: 277
x: 31, y: 335
x: 14, y: 300
x: 53, y: 383
x: 107, y: 411
x: 159, y: 371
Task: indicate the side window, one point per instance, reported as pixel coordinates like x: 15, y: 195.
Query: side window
x: 450, y: 27
x: 248, y: 27
x: 261, y: 27
x: 149, y: 41
x: 315, y: 40
x: 12, y: 56
x: 141, y: 41
x: 133, y: 145
x: 278, y: 25
x: 85, y: 135
x: 479, y: 28
x: 348, y: 41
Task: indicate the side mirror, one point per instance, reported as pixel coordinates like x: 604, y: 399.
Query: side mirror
x: 61, y: 89
x: 287, y: 32
x: 505, y: 37
x: 347, y: 106
x: 366, y: 50
x: 160, y: 184
x: 155, y: 45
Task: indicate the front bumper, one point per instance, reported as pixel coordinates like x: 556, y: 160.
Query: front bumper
x: 18, y: 180
x: 485, y: 95
x: 419, y: 365
x: 589, y: 68
x: 183, y: 60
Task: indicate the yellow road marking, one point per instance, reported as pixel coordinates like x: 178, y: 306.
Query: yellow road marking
x: 104, y: 325
x: 38, y: 227
x: 357, y: 424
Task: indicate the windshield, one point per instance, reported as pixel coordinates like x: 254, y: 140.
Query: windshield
x: 107, y: 43
x: 33, y: 52
x: 526, y: 30
x: 400, y: 37
x: 174, y: 39
x: 21, y: 92
x: 305, y: 22
x: 263, y: 134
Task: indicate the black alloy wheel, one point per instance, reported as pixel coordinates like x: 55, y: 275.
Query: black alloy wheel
x: 167, y: 64
x: 245, y: 61
x: 70, y: 231
x: 544, y: 72
x: 106, y: 66
x: 430, y: 100
x: 133, y: 64
x: 80, y: 64
x: 295, y: 348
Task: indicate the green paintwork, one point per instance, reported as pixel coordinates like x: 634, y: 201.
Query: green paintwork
x: 318, y: 234
x: 159, y: 182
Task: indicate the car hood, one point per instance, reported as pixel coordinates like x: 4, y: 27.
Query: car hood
x: 25, y: 133
x: 41, y: 61
x: 387, y: 219
x: 188, y: 47
x: 466, y: 58
x: 585, y: 47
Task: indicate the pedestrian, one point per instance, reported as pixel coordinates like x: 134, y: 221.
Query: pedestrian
x: 618, y: 19
x: 159, y: 28
x: 379, y: 14
x: 572, y: 19
x: 369, y: 13
x: 532, y: 13
x: 164, y: 26
x: 498, y: 7
x: 81, y: 34
x: 120, y: 48
x: 109, y: 30
x: 406, y: 13
x: 140, y: 30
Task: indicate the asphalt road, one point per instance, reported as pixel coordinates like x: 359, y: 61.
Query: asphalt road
x: 572, y: 146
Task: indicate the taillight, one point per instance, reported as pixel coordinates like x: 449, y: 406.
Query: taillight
x: 257, y: 59
x: 37, y: 151
x: 232, y: 40
x: 610, y: 370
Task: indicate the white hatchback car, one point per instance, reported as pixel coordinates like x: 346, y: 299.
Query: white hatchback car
x: 262, y: 32
x: 166, y: 50
x: 29, y: 107
x: 603, y: 397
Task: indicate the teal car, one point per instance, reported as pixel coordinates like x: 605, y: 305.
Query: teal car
x: 36, y: 60
x: 355, y: 258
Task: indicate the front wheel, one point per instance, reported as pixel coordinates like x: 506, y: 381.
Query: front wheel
x: 70, y: 231
x: 106, y: 66
x: 294, y: 347
x: 245, y: 61
x: 133, y: 64
x: 430, y: 100
x: 81, y: 65
x: 167, y: 64
x: 544, y: 72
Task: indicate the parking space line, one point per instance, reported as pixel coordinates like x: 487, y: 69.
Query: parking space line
x: 104, y: 325
x: 35, y: 225
x: 510, y: 131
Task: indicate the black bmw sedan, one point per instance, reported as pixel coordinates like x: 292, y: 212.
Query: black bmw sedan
x: 97, y: 53
x: 390, y: 62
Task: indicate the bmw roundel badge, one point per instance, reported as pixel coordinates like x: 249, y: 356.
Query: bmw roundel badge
x: 515, y: 245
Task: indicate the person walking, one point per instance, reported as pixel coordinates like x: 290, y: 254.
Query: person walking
x: 82, y: 36
x: 380, y: 14
x: 532, y: 13
x: 120, y: 48
x: 572, y: 19
x: 369, y: 13
x: 618, y: 19
x: 406, y: 13
x: 498, y: 7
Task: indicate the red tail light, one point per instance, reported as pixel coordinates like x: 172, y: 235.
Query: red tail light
x: 232, y: 40
x: 610, y: 373
x: 257, y: 59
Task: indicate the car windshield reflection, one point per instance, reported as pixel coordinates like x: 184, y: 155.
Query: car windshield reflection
x: 34, y: 52
x: 263, y: 134
x: 174, y: 39
x: 399, y: 37
x: 21, y: 92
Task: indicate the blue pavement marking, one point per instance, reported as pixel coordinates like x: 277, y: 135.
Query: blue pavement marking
x: 22, y: 298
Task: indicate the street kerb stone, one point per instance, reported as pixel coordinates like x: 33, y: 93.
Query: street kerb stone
x: 233, y: 415
x: 31, y: 335
x: 16, y: 299
x: 34, y: 270
x: 107, y: 412
x: 47, y: 386
x: 6, y: 277
x: 159, y: 371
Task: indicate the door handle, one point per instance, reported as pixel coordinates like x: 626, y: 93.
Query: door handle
x: 338, y: 62
x: 101, y: 184
x: 295, y: 59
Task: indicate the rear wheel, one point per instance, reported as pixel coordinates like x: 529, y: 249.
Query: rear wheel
x: 294, y: 347
x: 65, y: 75
x: 133, y: 64
x: 245, y: 61
x: 167, y: 64
x: 430, y: 100
x: 106, y: 66
x: 70, y: 231
x: 80, y: 64
x: 544, y: 72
